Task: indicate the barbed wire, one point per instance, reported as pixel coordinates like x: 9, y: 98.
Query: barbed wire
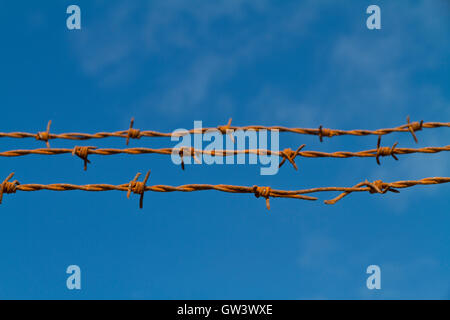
x: 287, y: 154
x: 137, y: 187
x: 132, y: 133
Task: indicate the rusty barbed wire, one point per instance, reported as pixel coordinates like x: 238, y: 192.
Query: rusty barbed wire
x: 137, y: 187
x: 287, y: 154
x: 132, y: 133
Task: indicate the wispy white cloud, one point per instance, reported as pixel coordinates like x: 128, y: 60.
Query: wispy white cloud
x: 365, y: 73
x: 115, y: 46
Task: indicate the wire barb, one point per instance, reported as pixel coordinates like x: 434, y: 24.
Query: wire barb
x: 45, y: 136
x: 377, y: 186
x: 385, y: 151
x: 263, y: 192
x: 138, y: 187
x: 190, y: 151
x: 414, y: 126
x: 133, y: 133
x: 324, y: 132
x: 8, y: 187
x: 226, y: 130
x: 83, y: 152
x: 289, y: 154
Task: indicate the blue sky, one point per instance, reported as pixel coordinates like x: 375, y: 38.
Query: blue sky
x: 168, y: 63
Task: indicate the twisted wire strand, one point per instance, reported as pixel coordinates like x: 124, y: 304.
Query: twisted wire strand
x: 287, y: 154
x: 132, y: 133
x: 140, y: 188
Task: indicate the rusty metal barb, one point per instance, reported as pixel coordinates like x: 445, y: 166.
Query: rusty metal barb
x: 45, y: 136
x: 289, y: 154
x: 83, y: 153
x: 133, y: 133
x: 385, y: 151
x: 8, y: 187
x: 138, y: 187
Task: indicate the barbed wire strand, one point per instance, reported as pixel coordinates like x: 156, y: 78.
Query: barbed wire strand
x: 287, y: 154
x: 228, y: 129
x: 137, y: 187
